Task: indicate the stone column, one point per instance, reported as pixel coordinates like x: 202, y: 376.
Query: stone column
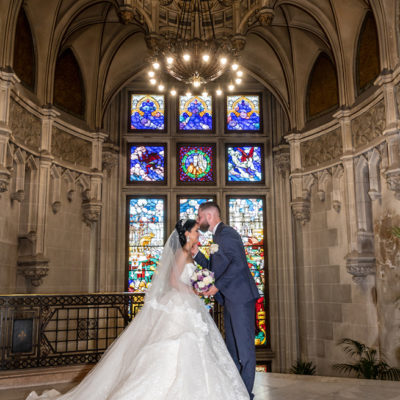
x: 35, y: 265
x: 7, y: 80
x: 392, y: 131
x: 300, y: 204
x: 92, y: 206
x: 359, y: 263
x: 286, y: 310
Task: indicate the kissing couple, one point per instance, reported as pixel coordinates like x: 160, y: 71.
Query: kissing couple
x: 173, y: 350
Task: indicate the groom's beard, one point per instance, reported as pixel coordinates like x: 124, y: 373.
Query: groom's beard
x: 204, y: 227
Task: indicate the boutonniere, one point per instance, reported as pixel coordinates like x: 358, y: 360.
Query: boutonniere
x: 214, y: 248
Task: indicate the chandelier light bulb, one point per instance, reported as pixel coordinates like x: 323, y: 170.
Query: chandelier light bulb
x: 204, y: 94
x: 238, y: 81
x: 160, y: 87
x: 170, y: 60
x: 206, y: 57
x: 151, y: 74
x: 156, y: 65
x: 173, y: 92
x: 235, y: 66
x: 196, y: 83
x: 152, y: 81
x: 219, y: 92
x: 188, y: 94
x: 231, y: 87
x: 239, y: 73
x: 186, y: 57
x: 223, y: 60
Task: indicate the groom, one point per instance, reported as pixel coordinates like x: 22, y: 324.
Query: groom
x: 234, y: 288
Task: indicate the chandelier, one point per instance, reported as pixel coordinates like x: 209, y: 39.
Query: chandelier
x: 194, y: 55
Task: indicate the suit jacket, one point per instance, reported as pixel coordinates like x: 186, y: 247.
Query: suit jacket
x: 229, y: 264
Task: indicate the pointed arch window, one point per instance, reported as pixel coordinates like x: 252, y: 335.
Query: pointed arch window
x: 69, y: 92
x: 367, y: 59
x: 322, y: 93
x: 24, y: 52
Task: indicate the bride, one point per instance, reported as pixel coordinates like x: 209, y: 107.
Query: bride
x: 172, y: 350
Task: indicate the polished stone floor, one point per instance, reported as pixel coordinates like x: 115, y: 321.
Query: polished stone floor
x: 283, y: 387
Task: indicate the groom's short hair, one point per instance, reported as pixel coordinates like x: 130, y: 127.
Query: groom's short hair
x: 210, y: 204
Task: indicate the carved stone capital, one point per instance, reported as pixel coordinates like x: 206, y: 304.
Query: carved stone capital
x: 56, y: 206
x: 360, y: 266
x: 126, y: 14
x: 265, y: 16
x: 393, y: 181
x: 34, y: 268
x: 4, y: 180
x: 110, y: 157
x: 19, y: 195
x: 337, y: 205
x: 301, y: 210
x: 282, y: 159
x: 91, y: 211
x: 238, y: 42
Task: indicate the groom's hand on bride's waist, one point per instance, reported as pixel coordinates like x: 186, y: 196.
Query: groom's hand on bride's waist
x: 212, y: 291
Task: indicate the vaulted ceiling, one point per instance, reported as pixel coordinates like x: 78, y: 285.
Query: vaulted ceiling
x: 110, y: 47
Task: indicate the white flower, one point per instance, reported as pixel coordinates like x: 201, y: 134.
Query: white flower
x: 208, y: 280
x: 201, y: 285
x: 214, y: 248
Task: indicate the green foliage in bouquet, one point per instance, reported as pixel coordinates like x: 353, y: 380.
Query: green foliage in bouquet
x: 301, y: 367
x: 366, y: 363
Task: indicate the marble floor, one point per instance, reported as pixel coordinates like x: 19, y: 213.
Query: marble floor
x: 280, y: 387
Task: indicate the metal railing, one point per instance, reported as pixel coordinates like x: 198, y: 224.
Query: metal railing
x: 59, y: 330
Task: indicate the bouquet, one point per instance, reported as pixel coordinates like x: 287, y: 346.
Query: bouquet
x: 202, y: 279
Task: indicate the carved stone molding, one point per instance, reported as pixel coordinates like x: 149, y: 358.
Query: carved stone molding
x: 321, y: 149
x: 91, y: 211
x: 71, y: 148
x: 393, y: 181
x: 301, y: 210
x: 369, y: 125
x: 265, y: 16
x: 110, y: 157
x: 397, y: 94
x: 126, y: 14
x: 34, y: 268
x: 4, y: 180
x: 360, y: 266
x: 282, y: 159
x: 25, y: 126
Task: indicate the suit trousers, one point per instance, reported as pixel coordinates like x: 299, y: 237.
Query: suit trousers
x: 239, y: 320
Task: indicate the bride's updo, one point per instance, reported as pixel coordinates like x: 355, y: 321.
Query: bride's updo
x: 183, y: 226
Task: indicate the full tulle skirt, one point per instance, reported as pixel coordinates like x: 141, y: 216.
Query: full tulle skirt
x: 172, y: 350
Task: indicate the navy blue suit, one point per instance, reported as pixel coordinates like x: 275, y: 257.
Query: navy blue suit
x: 238, y: 293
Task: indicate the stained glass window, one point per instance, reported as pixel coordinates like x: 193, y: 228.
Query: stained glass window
x: 246, y: 215
x: 196, y: 163
x: 243, y: 113
x: 146, y: 163
x: 145, y: 241
x: 147, y: 112
x: 244, y: 163
x: 195, y: 113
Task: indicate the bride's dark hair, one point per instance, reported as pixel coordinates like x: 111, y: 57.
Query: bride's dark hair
x: 182, y: 227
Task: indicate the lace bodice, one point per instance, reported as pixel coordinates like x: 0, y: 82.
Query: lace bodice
x: 187, y: 273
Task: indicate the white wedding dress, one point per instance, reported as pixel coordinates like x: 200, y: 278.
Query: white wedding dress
x: 172, y: 350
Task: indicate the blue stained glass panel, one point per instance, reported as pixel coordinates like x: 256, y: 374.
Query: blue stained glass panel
x: 196, y: 164
x: 244, y: 163
x: 147, y: 163
x: 195, y: 113
x: 247, y: 217
x: 243, y: 113
x: 145, y: 241
x: 147, y: 112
